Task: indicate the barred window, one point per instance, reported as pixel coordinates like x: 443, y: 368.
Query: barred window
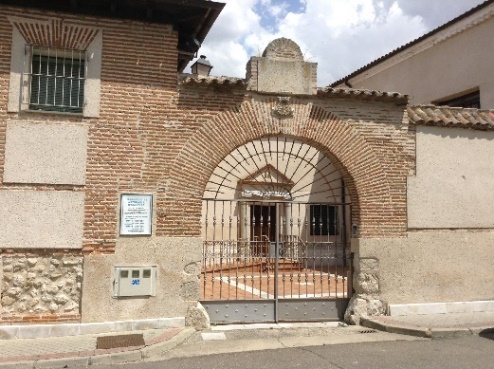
x: 57, y: 80
x: 323, y: 220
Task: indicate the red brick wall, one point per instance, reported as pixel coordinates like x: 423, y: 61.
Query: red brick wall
x: 150, y: 138
x: 366, y: 140
x: 138, y: 84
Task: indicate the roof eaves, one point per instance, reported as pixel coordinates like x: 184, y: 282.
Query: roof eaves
x: 363, y: 94
x: 192, y: 19
x: 194, y: 79
x: 445, y: 116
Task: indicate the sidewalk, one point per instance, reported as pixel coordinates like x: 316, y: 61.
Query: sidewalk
x: 434, y: 325
x: 160, y: 344
x: 81, y: 352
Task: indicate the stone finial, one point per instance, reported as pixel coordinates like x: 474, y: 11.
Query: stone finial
x: 283, y: 48
x: 282, y: 70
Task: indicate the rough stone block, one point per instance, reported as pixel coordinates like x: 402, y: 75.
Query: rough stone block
x: 198, y: 318
x: 190, y: 289
x: 357, y: 307
x: 367, y: 283
x: 41, y: 284
x: 368, y: 265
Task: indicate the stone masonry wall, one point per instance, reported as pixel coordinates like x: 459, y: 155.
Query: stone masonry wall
x: 39, y: 287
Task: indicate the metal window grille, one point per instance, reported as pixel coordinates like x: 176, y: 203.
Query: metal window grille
x: 57, y: 79
x: 323, y: 220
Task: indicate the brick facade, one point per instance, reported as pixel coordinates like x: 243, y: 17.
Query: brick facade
x: 370, y: 143
x: 155, y: 135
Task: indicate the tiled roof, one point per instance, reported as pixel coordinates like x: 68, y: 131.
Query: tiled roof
x: 369, y: 94
x: 412, y: 43
x: 189, y: 79
x: 445, y: 116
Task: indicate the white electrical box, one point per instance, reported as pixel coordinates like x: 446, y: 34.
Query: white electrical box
x: 134, y: 281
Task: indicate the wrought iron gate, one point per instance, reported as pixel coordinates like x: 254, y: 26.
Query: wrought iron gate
x: 275, y: 260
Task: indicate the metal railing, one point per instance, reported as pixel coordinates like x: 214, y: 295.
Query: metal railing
x: 274, y: 249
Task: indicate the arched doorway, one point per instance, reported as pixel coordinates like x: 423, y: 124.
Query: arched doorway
x: 275, y: 225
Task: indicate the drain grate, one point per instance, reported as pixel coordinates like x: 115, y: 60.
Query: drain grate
x: 367, y: 331
x: 126, y: 340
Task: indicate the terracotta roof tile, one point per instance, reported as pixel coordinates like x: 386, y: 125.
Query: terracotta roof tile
x: 366, y: 94
x: 190, y: 79
x: 445, y: 116
x: 187, y: 79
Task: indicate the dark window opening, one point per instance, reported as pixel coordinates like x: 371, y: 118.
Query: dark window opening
x: 323, y: 220
x: 263, y: 221
x: 471, y: 100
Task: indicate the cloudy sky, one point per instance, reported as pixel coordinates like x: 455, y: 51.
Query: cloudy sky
x: 340, y: 35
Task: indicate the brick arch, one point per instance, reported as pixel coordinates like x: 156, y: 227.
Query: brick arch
x: 365, y: 178
x: 54, y: 32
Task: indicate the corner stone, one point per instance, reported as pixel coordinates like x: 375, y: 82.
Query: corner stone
x: 198, y: 318
x: 359, y: 307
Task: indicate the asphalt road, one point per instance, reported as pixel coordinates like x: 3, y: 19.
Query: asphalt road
x: 468, y: 352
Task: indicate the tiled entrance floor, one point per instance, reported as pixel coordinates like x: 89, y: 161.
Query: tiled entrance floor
x: 253, y: 282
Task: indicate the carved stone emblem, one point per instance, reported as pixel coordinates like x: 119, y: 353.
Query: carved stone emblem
x: 283, y: 108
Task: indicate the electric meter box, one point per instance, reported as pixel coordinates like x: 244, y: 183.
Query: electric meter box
x: 134, y: 281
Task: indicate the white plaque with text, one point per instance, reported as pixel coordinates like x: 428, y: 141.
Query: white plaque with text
x: 136, y: 215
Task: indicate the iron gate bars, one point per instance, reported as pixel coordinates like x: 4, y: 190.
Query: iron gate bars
x: 274, y: 228
x: 261, y: 250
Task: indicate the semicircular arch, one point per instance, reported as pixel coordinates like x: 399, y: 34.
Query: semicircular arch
x: 337, y: 139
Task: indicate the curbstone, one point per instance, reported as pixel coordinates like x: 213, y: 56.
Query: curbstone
x: 434, y: 333
x: 160, y: 348
x: 374, y: 324
x: 395, y: 328
x: 100, y: 360
x: 484, y: 329
x: 126, y: 357
x: 75, y: 362
x: 450, y: 332
x: 409, y: 331
x: 18, y: 365
x: 116, y: 358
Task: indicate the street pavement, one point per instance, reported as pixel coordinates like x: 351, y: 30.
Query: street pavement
x: 465, y: 352
x: 434, y: 325
x: 181, y: 343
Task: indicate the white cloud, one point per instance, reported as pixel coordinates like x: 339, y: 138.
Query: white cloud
x: 237, y: 19
x: 278, y: 9
x: 341, y: 36
x: 228, y: 58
